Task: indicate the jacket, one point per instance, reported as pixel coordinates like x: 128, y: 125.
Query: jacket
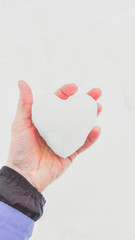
x: 14, y: 225
x: 21, y: 205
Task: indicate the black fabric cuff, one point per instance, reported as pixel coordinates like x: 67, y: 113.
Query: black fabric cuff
x: 17, y: 192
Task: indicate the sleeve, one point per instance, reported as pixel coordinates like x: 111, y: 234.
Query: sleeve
x: 14, y: 225
x: 20, y: 205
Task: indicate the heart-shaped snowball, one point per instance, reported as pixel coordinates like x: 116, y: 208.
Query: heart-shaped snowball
x: 64, y: 124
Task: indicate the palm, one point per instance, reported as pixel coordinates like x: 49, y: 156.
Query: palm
x: 37, y: 161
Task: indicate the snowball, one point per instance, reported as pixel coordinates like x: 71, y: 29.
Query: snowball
x: 64, y: 124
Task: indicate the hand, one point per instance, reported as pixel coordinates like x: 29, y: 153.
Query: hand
x: 29, y: 154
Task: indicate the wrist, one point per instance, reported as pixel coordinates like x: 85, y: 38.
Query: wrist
x: 22, y: 173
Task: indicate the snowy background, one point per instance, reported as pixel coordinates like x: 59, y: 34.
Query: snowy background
x: 49, y: 43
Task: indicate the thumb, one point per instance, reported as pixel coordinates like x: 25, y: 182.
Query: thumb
x: 23, y: 113
x: 26, y: 96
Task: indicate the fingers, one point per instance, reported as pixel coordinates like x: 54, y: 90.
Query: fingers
x: 95, y: 93
x: 99, y: 108
x: 66, y: 91
x: 92, y: 137
x: 69, y: 89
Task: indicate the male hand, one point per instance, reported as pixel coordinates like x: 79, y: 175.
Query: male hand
x: 29, y: 154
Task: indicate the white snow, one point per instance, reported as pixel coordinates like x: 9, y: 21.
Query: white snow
x: 64, y: 124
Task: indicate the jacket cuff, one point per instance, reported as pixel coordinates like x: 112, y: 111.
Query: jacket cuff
x: 17, y: 192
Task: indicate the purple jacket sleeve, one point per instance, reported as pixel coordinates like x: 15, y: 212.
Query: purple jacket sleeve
x: 14, y: 225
